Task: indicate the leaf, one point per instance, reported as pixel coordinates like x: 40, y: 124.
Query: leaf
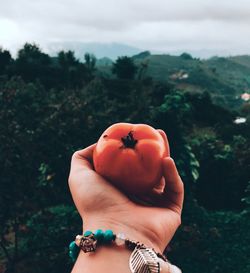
x: 195, y: 174
x: 144, y: 260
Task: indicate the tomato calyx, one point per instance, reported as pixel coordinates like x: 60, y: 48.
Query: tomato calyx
x: 129, y: 141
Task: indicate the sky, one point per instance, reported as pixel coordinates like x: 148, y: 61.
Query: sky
x: 217, y: 27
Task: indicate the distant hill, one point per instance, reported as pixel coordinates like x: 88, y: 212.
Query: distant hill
x: 141, y: 55
x: 100, y: 50
x: 105, y: 61
x: 225, y: 78
x: 243, y: 60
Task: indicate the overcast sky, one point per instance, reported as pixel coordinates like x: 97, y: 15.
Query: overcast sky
x: 219, y: 26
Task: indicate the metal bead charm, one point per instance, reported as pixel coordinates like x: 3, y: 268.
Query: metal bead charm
x: 78, y: 240
x: 88, y: 243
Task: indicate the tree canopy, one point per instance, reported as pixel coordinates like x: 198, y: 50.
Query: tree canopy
x: 124, y: 68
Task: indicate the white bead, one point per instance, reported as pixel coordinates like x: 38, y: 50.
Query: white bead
x: 120, y: 238
x: 78, y: 240
x: 174, y: 269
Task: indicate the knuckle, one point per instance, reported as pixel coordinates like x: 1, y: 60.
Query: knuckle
x: 179, y: 220
x: 75, y: 155
x: 69, y: 180
x: 182, y: 186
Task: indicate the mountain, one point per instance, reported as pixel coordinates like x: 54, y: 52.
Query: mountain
x: 105, y: 61
x: 100, y: 50
x: 225, y: 78
x: 243, y: 60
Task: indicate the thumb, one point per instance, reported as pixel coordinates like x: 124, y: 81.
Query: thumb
x: 174, y: 188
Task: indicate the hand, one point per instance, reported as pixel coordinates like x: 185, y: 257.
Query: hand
x: 101, y: 205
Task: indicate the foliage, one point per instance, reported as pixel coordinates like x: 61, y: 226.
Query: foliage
x: 90, y: 63
x: 246, y: 198
x: 173, y: 116
x: 124, y: 68
x: 52, y: 106
x: 211, y: 242
x: 216, y: 158
x: 5, y: 60
x: 32, y: 63
x: 44, y: 237
x: 186, y: 56
x: 224, y: 78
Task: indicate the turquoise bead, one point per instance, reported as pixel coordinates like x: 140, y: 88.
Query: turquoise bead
x: 108, y: 236
x: 87, y: 233
x: 73, y: 251
x: 73, y: 247
x: 72, y: 256
x: 99, y: 235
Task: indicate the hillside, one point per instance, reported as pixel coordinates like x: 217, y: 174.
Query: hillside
x: 243, y: 60
x: 100, y: 50
x: 224, y: 78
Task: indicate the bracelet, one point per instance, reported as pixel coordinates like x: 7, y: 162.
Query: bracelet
x: 143, y: 259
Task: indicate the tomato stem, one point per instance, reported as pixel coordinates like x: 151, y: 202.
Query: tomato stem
x: 129, y: 141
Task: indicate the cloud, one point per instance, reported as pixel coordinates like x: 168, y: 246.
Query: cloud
x: 159, y: 24
x: 120, y: 13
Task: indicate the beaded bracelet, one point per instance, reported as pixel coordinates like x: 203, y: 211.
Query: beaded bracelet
x: 142, y: 259
x: 88, y: 241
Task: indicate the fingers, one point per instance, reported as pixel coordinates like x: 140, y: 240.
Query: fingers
x: 80, y: 163
x: 174, y: 188
x: 172, y: 179
x: 82, y: 159
x: 173, y: 194
x: 159, y: 188
x: 164, y: 136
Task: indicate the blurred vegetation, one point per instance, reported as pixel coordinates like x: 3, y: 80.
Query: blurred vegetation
x: 52, y: 106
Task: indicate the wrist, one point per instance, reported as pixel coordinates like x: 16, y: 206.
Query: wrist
x: 119, y: 260
x: 133, y: 233
x: 117, y: 254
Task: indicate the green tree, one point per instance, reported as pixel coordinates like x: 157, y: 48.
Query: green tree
x: 142, y: 70
x: 5, y: 60
x: 186, y: 56
x: 124, y: 68
x: 32, y: 64
x: 67, y: 58
x: 90, y: 64
x: 72, y: 72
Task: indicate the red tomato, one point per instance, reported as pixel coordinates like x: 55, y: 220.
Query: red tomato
x: 130, y: 156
